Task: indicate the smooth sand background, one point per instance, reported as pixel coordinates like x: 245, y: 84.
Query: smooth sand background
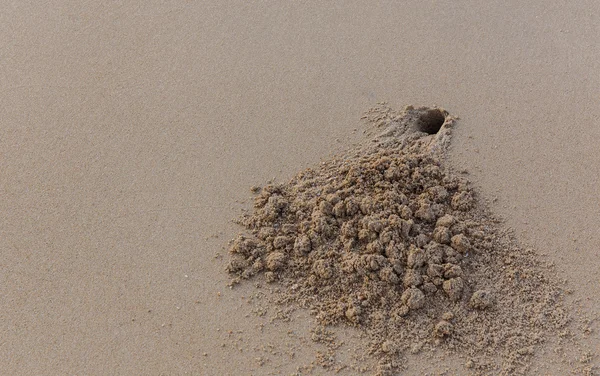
x: 130, y: 131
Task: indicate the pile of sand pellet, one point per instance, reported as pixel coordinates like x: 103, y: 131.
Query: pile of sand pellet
x: 387, y: 239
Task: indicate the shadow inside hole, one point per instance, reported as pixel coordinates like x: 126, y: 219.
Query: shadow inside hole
x: 431, y: 121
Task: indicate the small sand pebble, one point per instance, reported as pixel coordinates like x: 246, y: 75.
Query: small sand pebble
x: 413, y: 298
x: 275, y: 261
x: 454, y: 288
x: 461, y: 243
x: 481, y: 299
x: 441, y: 235
x: 445, y: 221
x: 443, y: 329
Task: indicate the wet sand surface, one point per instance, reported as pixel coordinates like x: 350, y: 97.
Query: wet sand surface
x: 131, y: 134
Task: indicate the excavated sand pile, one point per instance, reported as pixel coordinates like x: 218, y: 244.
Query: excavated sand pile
x: 388, y: 239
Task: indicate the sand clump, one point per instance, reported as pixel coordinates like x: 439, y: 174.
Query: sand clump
x: 388, y: 239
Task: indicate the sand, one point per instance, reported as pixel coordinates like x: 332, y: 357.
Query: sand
x: 131, y: 133
x: 387, y: 239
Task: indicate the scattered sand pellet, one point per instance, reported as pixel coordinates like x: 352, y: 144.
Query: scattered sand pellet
x: 413, y: 298
x: 446, y: 221
x: 481, y: 299
x: 454, y: 288
x: 275, y: 261
x: 442, y: 329
x: 461, y: 243
x: 388, y: 239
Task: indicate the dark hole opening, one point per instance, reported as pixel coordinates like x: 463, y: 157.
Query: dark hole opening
x: 431, y: 121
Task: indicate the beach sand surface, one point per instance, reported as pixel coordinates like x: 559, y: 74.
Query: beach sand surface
x: 131, y: 132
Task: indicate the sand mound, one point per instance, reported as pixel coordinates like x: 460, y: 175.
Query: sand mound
x: 386, y: 238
